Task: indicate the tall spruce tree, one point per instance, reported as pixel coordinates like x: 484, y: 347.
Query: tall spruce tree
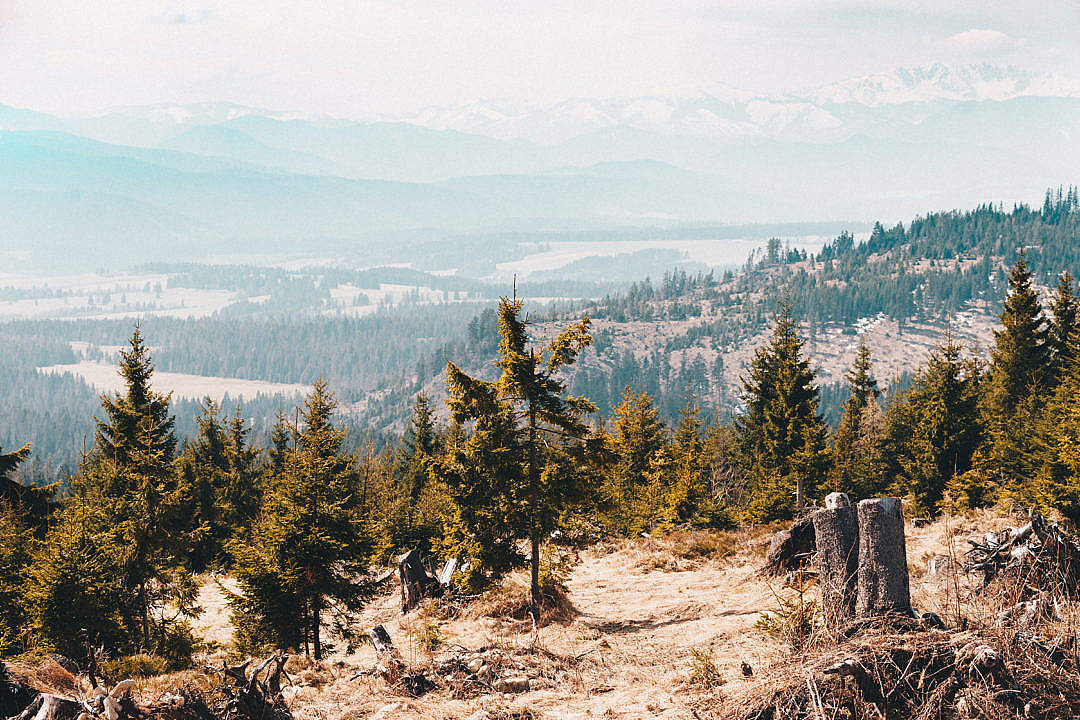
x: 526, y: 427
x: 129, y: 483
x: 1015, y: 391
x: 305, y: 557
x: 780, y: 435
x: 849, y: 468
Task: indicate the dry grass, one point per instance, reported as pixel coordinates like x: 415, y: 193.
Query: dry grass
x: 658, y: 628
x: 47, y: 675
x: 510, y: 599
x: 686, y: 550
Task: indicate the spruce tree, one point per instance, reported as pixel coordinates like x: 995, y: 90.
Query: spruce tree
x: 849, y: 467
x: 202, y: 466
x: 1062, y: 335
x: 932, y: 430
x: 404, y: 510
x: 1057, y: 484
x: 1015, y: 391
x: 419, y: 445
x: 138, y: 416
x: 76, y: 592
x: 280, y: 438
x: 30, y: 504
x: 242, y: 494
x: 129, y: 481
x: 637, y: 436
x: 780, y: 436
x: 519, y: 482
x: 684, y: 475
x: 17, y: 543
x: 305, y: 557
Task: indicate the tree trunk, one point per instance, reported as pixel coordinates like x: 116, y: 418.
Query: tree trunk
x: 836, y: 533
x: 315, y: 620
x: 883, y: 573
x: 534, y: 530
x: 51, y: 707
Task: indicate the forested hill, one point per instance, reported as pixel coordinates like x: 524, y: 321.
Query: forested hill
x: 694, y: 334
x: 672, y: 336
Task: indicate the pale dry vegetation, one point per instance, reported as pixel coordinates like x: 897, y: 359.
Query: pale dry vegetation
x: 668, y: 627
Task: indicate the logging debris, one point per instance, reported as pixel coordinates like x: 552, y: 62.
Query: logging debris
x: 228, y: 693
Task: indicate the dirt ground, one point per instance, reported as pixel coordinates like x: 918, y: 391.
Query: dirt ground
x: 646, y: 612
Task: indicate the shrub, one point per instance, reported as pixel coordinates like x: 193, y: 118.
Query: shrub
x: 795, y: 620
x: 703, y: 671
x: 141, y: 665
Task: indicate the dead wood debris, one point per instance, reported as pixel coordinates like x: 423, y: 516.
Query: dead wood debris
x: 228, y: 693
x: 466, y: 673
x: 920, y: 675
x: 1038, y: 558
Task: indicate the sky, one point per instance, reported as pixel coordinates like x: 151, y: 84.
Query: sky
x: 365, y: 58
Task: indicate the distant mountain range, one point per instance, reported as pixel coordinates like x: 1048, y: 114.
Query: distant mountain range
x: 870, y: 105
x: 141, y: 183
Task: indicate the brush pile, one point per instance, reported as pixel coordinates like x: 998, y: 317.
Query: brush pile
x: 468, y: 673
x: 225, y: 693
x: 1036, y: 558
x: 889, y: 674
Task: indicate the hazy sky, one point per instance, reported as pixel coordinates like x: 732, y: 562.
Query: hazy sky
x: 369, y: 57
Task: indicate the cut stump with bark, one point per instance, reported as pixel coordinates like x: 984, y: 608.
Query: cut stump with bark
x: 883, y: 587
x: 790, y: 549
x: 416, y: 583
x: 836, y: 533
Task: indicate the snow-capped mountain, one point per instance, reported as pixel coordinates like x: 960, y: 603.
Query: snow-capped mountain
x: 856, y: 106
x: 943, y: 82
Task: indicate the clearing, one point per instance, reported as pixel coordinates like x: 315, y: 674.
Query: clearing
x: 650, y: 616
x: 105, y: 377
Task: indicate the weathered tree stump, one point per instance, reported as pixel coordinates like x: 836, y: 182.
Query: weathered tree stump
x: 836, y: 533
x: 790, y: 548
x: 51, y: 707
x: 883, y: 574
x: 14, y: 695
x: 416, y: 583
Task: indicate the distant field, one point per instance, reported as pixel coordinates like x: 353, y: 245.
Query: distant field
x: 714, y: 253
x: 104, y: 377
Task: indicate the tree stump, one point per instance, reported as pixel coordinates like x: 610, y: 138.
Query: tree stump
x: 416, y: 584
x: 883, y: 574
x: 51, y: 707
x: 836, y: 532
x: 14, y: 695
x: 789, y: 548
